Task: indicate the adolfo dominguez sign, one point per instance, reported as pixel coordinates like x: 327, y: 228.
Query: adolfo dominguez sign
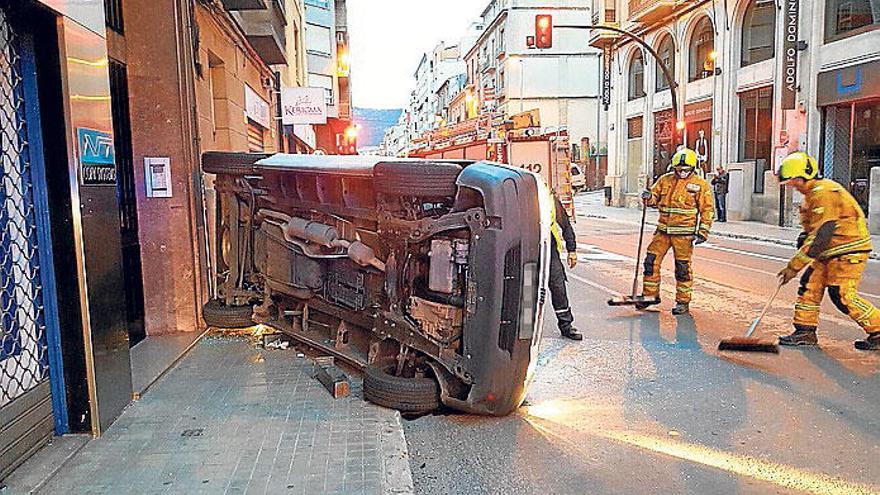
x: 790, y: 54
x: 97, y: 158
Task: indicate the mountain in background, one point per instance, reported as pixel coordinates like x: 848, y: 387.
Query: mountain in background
x: 373, y: 122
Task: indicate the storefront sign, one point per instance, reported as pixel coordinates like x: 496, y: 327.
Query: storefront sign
x: 606, y: 76
x: 97, y: 158
x: 525, y: 120
x: 849, y: 84
x: 303, y: 106
x: 696, y: 112
x: 790, y: 55
x: 256, y: 107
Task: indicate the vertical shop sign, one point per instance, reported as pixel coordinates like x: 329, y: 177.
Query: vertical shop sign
x: 606, y: 76
x: 790, y: 54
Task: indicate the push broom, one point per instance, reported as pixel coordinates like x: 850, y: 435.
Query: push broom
x: 633, y: 299
x: 747, y: 343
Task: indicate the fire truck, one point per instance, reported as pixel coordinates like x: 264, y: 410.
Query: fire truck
x: 519, y: 141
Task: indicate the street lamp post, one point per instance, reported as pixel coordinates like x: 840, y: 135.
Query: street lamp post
x: 676, y: 131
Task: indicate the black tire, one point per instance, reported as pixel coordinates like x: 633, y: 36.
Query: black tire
x: 407, y: 395
x: 217, y: 314
x: 220, y: 162
x: 416, y: 179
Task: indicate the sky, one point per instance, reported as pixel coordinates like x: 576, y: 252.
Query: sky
x: 388, y: 37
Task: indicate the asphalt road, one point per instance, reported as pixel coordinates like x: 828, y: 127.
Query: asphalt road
x: 646, y: 404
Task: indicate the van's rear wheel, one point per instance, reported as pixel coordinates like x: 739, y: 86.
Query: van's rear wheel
x: 416, y: 179
x: 217, y: 314
x: 221, y: 162
x: 407, y: 395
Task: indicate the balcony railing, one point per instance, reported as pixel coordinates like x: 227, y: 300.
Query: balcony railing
x: 650, y: 10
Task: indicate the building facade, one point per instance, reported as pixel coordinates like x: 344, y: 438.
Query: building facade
x: 111, y: 208
x: 755, y: 80
x: 507, y: 77
x: 328, y: 65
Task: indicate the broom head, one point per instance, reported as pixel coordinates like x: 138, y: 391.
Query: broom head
x: 748, y: 344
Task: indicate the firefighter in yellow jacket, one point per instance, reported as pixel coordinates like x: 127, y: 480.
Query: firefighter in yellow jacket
x: 686, y: 210
x: 834, y: 247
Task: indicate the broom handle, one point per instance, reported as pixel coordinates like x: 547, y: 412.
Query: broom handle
x: 639, y: 253
x: 764, y: 312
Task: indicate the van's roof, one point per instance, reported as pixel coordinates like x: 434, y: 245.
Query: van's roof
x: 343, y: 164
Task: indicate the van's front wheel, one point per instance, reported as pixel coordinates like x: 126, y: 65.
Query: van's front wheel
x: 407, y: 395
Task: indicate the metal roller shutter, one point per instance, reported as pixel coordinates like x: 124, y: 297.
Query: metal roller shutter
x: 26, y: 419
x: 255, y: 136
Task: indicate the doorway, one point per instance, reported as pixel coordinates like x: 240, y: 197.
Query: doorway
x: 851, y: 146
x: 128, y: 216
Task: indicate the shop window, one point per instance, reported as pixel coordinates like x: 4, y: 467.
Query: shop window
x: 756, y: 130
x: 759, y: 32
x: 851, y: 146
x: 637, y: 76
x: 701, y: 53
x: 217, y: 84
x: 849, y: 17
x: 634, y: 153
x: 865, y: 149
x: 634, y: 128
x: 666, y: 51
x: 663, y: 146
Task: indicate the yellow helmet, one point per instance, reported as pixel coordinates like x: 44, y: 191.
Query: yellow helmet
x: 798, y: 165
x: 684, y: 158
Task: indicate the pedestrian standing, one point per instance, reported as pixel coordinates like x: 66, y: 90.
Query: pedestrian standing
x: 721, y: 184
x: 563, y: 238
x: 834, y: 247
x: 686, y: 210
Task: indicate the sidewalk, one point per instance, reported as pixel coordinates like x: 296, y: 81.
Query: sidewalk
x: 232, y: 418
x: 592, y: 205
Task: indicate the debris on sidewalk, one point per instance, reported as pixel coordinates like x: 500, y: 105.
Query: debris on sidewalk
x: 334, y: 380
x: 275, y: 340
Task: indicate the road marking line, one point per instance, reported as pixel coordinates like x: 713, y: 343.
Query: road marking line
x: 744, y: 253
x: 738, y: 464
x: 592, y: 284
x: 709, y: 260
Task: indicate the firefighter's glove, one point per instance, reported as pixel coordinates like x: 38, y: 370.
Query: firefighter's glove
x: 646, y: 196
x: 699, y: 239
x: 572, y: 260
x: 802, y: 238
x: 786, y: 275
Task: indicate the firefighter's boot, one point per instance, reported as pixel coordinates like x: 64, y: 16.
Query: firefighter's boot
x: 572, y: 333
x: 681, y: 308
x: 871, y: 343
x: 802, y: 335
x: 644, y: 303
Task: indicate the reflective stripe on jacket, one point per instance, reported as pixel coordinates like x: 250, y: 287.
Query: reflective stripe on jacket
x: 827, y: 202
x: 686, y: 205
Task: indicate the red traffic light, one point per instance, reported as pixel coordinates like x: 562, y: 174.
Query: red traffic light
x: 544, y: 31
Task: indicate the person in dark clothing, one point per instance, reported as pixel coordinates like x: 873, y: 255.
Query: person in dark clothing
x: 721, y: 184
x: 563, y: 233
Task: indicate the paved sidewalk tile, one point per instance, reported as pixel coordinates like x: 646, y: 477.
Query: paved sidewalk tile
x: 234, y: 419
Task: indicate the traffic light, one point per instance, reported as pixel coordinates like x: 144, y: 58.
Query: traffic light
x: 543, y: 31
x: 346, y: 142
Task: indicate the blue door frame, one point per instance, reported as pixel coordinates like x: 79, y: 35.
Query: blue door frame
x: 43, y: 231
